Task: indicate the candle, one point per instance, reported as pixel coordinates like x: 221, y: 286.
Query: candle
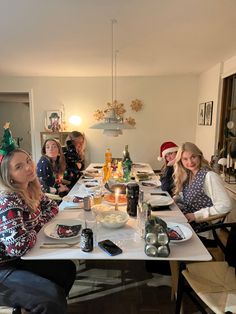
x: 117, y: 193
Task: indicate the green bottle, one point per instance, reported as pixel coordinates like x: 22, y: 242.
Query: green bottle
x: 127, y: 164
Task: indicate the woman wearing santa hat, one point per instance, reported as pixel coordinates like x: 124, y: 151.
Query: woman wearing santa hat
x: 201, y: 189
x: 168, y: 151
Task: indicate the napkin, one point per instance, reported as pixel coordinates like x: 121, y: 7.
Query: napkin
x: 65, y: 231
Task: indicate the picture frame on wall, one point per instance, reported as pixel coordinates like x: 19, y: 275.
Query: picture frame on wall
x: 53, y: 120
x: 201, y: 114
x: 208, y: 112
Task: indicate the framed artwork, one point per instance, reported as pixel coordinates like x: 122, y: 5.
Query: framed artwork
x: 201, y: 114
x: 208, y: 112
x: 53, y: 120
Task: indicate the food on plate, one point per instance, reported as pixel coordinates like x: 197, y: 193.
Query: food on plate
x: 77, y: 199
x: 65, y: 231
x: 122, y: 199
x: 113, y: 218
x: 175, y: 233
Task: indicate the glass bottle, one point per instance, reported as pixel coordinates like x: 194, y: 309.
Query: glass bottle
x: 127, y: 164
x: 108, y: 156
x: 126, y: 154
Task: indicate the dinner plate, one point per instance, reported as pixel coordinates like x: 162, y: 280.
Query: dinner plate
x: 186, y: 232
x: 50, y: 228
x: 70, y: 204
x: 150, y: 184
x: 160, y: 200
x: 54, y: 197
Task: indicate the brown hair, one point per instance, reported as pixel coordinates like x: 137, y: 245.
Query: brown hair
x: 60, y: 161
x: 181, y: 174
x: 33, y: 196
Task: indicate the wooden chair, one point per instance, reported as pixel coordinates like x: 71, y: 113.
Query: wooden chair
x: 213, y: 283
x: 216, y: 251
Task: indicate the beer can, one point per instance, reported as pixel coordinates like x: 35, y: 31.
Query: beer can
x: 150, y: 250
x: 87, y: 203
x: 86, y: 240
x: 151, y: 238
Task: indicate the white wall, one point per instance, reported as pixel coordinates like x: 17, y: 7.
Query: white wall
x: 169, y: 111
x: 209, y: 90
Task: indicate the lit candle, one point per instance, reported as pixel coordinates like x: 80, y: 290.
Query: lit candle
x: 117, y: 193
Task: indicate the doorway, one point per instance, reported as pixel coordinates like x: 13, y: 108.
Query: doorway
x: 15, y: 108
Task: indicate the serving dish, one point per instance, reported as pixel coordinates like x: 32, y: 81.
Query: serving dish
x: 113, y: 219
x: 110, y: 198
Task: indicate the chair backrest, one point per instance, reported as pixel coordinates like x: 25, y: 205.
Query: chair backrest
x: 230, y: 255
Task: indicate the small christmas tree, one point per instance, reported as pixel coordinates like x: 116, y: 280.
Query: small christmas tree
x: 8, y: 143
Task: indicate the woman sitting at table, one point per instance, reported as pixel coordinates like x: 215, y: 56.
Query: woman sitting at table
x: 168, y: 152
x: 51, y: 167
x: 201, y: 190
x: 38, y: 286
x: 75, y: 156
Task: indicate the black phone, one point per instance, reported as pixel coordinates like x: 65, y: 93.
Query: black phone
x: 110, y: 247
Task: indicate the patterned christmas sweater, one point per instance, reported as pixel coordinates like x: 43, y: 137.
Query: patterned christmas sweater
x: 18, y: 226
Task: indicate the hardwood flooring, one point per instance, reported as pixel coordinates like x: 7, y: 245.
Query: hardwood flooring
x: 136, y: 299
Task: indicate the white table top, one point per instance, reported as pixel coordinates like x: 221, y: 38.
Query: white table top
x: 126, y: 237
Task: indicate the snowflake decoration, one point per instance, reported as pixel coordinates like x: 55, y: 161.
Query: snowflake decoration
x: 130, y: 121
x: 136, y: 105
x: 99, y: 115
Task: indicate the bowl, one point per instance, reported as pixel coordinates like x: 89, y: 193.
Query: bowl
x: 113, y: 219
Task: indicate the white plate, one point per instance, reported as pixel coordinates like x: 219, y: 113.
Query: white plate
x: 113, y: 219
x: 160, y: 200
x: 50, y: 228
x: 187, y: 232
x: 70, y: 204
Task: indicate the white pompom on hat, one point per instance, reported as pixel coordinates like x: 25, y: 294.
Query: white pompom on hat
x: 167, y: 147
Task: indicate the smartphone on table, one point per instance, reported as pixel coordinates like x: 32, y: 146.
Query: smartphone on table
x: 110, y: 247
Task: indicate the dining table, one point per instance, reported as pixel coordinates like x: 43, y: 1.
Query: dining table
x: 127, y: 237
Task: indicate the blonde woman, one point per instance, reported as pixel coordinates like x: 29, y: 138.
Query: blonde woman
x: 201, y: 189
x: 75, y: 156
x: 51, y: 167
x: 39, y: 286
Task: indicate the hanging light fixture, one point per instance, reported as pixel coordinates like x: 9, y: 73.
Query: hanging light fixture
x: 112, y: 116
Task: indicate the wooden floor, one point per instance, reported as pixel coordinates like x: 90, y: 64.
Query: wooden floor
x: 140, y: 299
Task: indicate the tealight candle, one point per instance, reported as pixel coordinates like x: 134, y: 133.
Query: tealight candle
x: 117, y: 193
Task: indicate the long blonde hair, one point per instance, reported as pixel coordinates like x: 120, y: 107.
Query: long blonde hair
x: 32, y: 195
x: 181, y: 174
x: 60, y: 161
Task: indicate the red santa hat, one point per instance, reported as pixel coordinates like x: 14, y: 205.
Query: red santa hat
x: 167, y: 147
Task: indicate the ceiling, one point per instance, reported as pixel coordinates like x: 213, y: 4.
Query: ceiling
x: 153, y: 37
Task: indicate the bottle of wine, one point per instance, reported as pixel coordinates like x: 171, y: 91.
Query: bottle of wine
x: 127, y: 164
x: 126, y: 154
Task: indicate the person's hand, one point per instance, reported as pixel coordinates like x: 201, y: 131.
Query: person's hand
x: 171, y: 162
x: 79, y: 165
x: 190, y: 217
x: 63, y: 188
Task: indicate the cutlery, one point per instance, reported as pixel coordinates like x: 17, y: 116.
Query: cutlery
x: 48, y: 245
